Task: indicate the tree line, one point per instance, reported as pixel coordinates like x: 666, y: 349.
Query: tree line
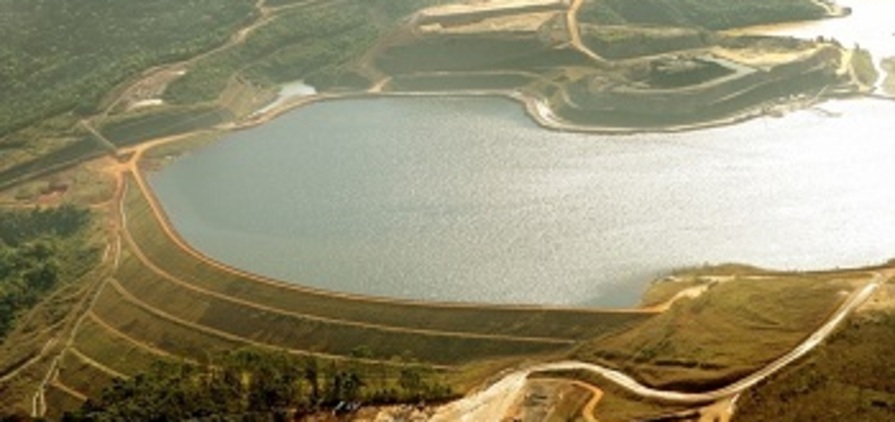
x: 317, y: 44
x: 255, y: 385
x: 59, y: 56
x: 38, y: 250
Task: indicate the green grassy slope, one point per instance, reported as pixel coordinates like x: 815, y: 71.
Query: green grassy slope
x: 163, y: 303
x: 849, y: 379
x: 530, y: 322
x: 621, y: 42
x: 725, y: 333
x: 711, y: 14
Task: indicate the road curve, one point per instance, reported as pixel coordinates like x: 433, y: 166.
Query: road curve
x: 575, y: 31
x: 493, y: 402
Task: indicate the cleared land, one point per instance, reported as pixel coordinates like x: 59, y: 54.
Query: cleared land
x: 630, y: 75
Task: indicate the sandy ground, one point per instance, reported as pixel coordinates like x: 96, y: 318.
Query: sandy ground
x: 479, y: 6
x: 761, y: 57
x: 526, y: 22
x: 720, y: 411
x: 491, y: 404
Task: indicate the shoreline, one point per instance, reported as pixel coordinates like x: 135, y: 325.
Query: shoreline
x: 541, y: 115
x: 159, y: 213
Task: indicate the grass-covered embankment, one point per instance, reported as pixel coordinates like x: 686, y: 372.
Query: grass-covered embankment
x: 167, y: 303
x: 736, y: 326
x: 710, y: 14
x: 298, y: 331
x: 625, y: 41
x: 714, y: 101
x: 164, y: 253
x: 850, y: 378
x: 135, y: 128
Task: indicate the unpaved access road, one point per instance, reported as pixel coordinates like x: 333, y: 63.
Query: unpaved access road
x: 493, y: 403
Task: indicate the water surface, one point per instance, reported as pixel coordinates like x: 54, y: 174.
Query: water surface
x: 466, y: 199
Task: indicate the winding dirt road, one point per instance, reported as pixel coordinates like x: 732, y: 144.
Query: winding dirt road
x: 494, y: 402
x: 596, y: 395
x: 575, y: 31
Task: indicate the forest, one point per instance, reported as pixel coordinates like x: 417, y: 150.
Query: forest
x: 38, y: 250
x: 62, y: 61
x: 64, y: 55
x: 316, y: 44
x: 709, y: 14
x: 253, y: 385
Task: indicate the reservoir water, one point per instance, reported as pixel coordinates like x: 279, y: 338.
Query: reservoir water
x: 467, y: 199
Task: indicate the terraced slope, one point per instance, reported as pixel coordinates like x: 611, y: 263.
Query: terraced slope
x: 167, y: 254
x: 165, y: 301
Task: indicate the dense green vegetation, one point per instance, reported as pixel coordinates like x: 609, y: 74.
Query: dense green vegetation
x: 250, y: 385
x: 63, y: 55
x: 154, y: 123
x: 307, y: 43
x: 561, y: 325
x: 622, y: 42
x: 44, y: 164
x: 38, y: 249
x: 460, y: 81
x: 680, y: 73
x: 316, y: 44
x: 62, y: 62
x: 849, y: 379
x: 174, y: 282
x: 711, y: 14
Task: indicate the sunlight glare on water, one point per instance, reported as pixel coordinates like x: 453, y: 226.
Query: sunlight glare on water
x: 466, y: 199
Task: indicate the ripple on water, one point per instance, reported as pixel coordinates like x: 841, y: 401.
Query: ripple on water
x: 466, y: 199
